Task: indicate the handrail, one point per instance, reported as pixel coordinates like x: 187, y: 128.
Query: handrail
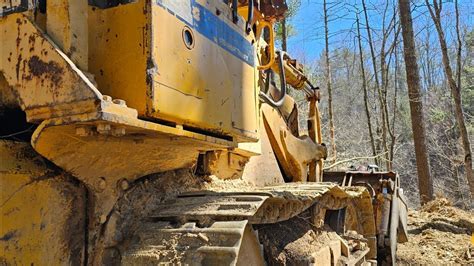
x: 235, y: 15
x: 271, y: 44
x: 267, y: 98
x: 249, y: 17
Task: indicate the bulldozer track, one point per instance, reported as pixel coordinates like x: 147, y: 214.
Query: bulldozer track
x: 264, y: 205
x: 218, y: 244
x: 210, y: 226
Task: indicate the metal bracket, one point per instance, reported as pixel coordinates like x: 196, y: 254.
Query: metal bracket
x: 235, y: 15
x: 103, y: 4
x: 248, y: 27
x: 15, y: 7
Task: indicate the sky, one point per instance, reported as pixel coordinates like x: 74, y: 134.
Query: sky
x: 308, y: 42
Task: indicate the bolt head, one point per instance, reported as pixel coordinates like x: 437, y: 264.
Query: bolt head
x: 118, y: 131
x: 124, y: 184
x: 102, y: 183
x: 120, y: 102
x: 103, y: 128
x: 106, y: 98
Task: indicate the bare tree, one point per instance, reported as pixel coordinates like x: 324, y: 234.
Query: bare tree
x: 328, y: 84
x: 435, y: 12
x: 364, y: 87
x: 459, y: 44
x: 377, y: 83
x: 394, y: 108
x: 385, y: 59
x: 426, y: 61
x: 425, y: 183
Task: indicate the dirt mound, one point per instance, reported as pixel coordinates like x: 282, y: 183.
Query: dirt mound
x: 439, y: 234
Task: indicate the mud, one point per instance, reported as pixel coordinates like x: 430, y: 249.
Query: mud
x: 440, y: 234
x: 293, y: 242
x: 134, y: 208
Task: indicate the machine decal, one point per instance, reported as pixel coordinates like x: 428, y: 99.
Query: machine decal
x: 212, y: 27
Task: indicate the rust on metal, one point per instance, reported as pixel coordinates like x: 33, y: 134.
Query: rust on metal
x: 39, y: 67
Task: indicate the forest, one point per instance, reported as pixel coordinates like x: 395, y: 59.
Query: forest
x: 397, y: 86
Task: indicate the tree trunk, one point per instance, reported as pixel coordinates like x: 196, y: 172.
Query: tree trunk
x: 425, y: 183
x: 364, y: 87
x: 391, y: 126
x: 393, y: 136
x: 381, y: 126
x: 458, y: 78
x: 283, y: 35
x: 435, y: 12
x: 383, y: 107
x: 428, y: 61
x: 459, y: 48
x: 384, y: 86
x: 328, y: 85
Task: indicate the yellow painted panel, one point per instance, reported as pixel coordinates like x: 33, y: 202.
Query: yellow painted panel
x: 118, y: 52
x: 16, y: 163
x: 41, y: 211
x: 41, y: 74
x: 209, y: 85
x: 37, y: 224
x: 204, y: 86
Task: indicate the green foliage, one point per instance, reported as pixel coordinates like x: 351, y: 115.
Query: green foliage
x: 404, y: 120
x: 438, y: 114
x: 293, y: 7
x: 290, y: 31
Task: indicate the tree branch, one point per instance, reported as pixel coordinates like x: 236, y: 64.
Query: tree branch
x: 353, y: 159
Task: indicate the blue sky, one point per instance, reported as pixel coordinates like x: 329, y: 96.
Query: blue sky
x: 308, y: 43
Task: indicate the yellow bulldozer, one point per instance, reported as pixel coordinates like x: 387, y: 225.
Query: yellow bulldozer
x: 161, y: 132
